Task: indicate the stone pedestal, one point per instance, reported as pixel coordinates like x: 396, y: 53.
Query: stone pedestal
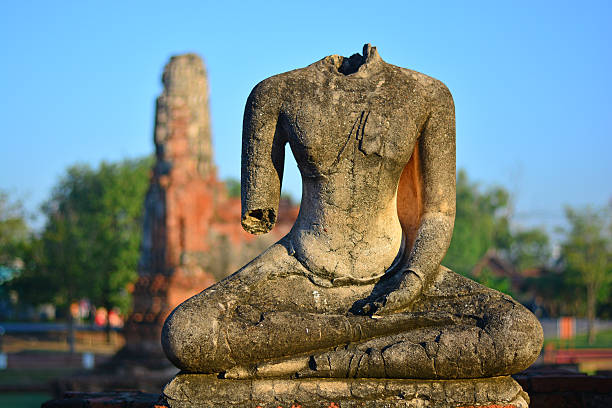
x: 199, y: 390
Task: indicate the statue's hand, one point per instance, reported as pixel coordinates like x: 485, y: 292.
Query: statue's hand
x: 399, y: 299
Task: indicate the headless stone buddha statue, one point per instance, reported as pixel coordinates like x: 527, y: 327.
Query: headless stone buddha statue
x: 356, y: 288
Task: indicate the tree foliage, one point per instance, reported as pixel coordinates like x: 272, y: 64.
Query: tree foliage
x: 529, y: 248
x: 14, y: 243
x: 587, y: 252
x: 481, y: 223
x: 233, y: 187
x: 90, y: 243
x: 14, y: 234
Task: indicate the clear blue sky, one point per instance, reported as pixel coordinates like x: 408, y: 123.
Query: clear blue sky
x: 531, y: 82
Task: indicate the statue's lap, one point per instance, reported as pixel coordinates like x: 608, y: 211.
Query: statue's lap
x: 272, y: 309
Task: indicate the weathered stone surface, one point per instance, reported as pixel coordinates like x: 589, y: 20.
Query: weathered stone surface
x: 192, y: 390
x: 355, y: 289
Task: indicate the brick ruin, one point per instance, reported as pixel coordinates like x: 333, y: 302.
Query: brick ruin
x: 192, y: 235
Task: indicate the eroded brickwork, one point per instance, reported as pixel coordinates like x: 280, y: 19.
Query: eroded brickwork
x: 192, y: 235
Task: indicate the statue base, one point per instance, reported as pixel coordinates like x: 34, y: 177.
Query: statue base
x: 201, y: 390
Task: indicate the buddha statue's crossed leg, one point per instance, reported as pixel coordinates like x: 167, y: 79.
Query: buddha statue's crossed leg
x: 503, y: 341
x: 490, y: 335
x: 240, y: 334
x: 268, y: 310
x: 260, y: 322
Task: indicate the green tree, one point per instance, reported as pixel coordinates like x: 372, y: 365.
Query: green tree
x: 587, y: 252
x: 14, y: 235
x: 89, y: 247
x: 115, y: 226
x: 482, y: 227
x: 481, y: 223
x: 14, y: 242
x: 233, y: 187
x: 529, y: 248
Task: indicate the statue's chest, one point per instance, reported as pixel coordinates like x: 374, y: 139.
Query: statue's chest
x: 365, y: 124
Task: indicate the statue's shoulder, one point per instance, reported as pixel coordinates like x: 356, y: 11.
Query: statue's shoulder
x: 278, y: 86
x: 268, y: 88
x: 436, y: 90
x: 287, y: 84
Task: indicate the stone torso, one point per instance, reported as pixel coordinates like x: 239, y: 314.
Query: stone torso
x: 351, y: 136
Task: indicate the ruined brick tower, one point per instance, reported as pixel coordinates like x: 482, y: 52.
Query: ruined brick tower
x: 179, y: 204
x: 191, y: 233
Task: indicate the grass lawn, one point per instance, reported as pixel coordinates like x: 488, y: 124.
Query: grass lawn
x: 603, y: 339
x: 32, y: 376
x: 23, y: 400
